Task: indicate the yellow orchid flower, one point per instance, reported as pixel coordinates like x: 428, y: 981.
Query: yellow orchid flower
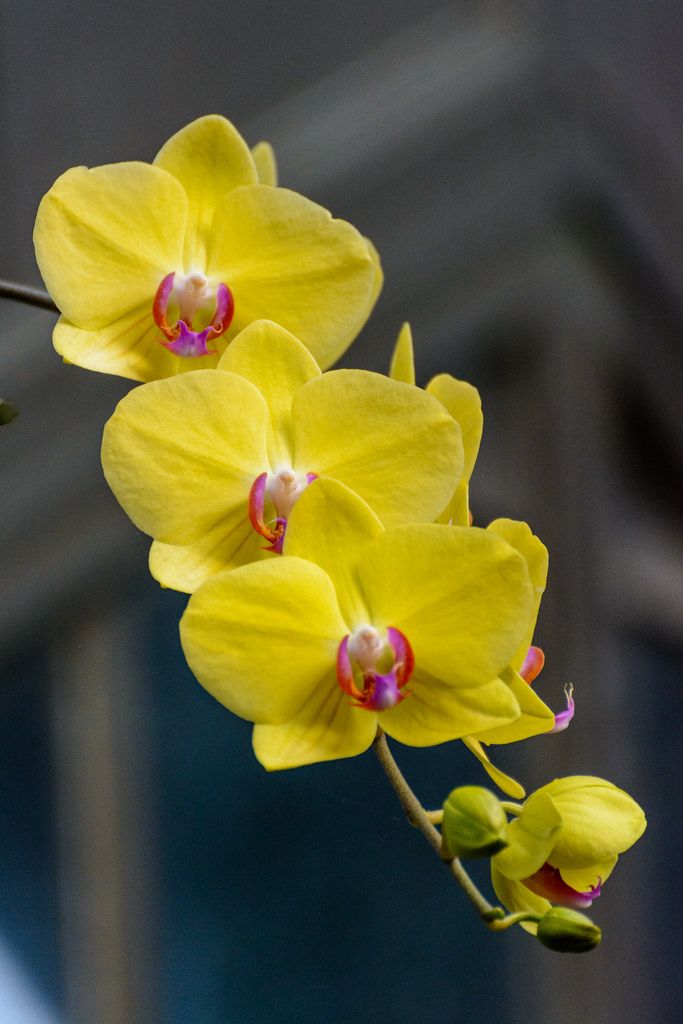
x: 211, y: 463
x: 564, y: 845
x: 155, y: 267
x: 356, y: 627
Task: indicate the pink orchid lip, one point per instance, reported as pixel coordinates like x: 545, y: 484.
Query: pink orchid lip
x: 563, y: 718
x: 274, y: 530
x: 549, y: 883
x: 181, y: 339
x: 381, y: 691
x: 530, y: 670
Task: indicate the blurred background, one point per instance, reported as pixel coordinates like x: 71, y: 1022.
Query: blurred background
x: 520, y: 168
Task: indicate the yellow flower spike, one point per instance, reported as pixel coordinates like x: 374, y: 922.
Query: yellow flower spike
x: 263, y: 156
x: 565, y: 844
x: 416, y: 639
x: 156, y: 267
x: 211, y: 463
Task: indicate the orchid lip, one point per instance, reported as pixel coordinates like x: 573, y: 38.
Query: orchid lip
x: 549, y: 883
x: 532, y: 664
x: 358, y: 657
x: 282, y: 489
x: 563, y: 718
x: 192, y: 293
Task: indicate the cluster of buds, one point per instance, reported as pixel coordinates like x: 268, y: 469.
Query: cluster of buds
x: 319, y: 519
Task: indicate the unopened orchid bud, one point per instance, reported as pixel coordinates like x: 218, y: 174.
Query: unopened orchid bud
x: 7, y: 412
x: 568, y: 931
x: 474, y: 823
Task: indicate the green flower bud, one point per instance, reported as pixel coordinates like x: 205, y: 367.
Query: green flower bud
x: 473, y: 825
x: 7, y: 412
x: 568, y: 931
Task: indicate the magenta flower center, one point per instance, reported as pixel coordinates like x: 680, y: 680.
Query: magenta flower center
x: 374, y: 668
x: 549, y: 883
x: 278, y: 492
x: 189, y: 311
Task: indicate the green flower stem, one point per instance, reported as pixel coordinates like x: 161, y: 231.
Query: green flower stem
x: 494, y: 917
x: 502, y: 923
x: 511, y: 807
x: 24, y: 293
x: 436, y: 817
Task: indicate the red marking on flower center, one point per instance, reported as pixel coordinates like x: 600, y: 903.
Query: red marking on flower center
x: 283, y: 489
x: 357, y: 659
x: 532, y: 664
x: 191, y: 296
x: 549, y: 883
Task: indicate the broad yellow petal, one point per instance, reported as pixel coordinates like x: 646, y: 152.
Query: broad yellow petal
x: 326, y: 728
x: 503, y: 781
x: 464, y: 404
x: 128, y: 347
x: 521, y: 538
x: 330, y: 525
x: 181, y: 454
x: 535, y: 718
x: 516, y: 897
x: 106, y: 236
x: 263, y: 156
x: 461, y: 596
x: 402, y: 366
x: 262, y: 638
x: 230, y: 543
x: 287, y: 260
x: 209, y: 158
x: 278, y: 365
x: 435, y: 712
x: 599, y: 821
x: 389, y: 442
x: 531, y: 838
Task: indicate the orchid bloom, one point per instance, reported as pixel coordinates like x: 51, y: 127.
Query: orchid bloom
x: 564, y: 845
x: 211, y: 463
x: 356, y: 626
x: 155, y: 267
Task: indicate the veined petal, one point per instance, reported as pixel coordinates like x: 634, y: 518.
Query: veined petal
x: 516, y: 897
x: 535, y: 552
x: 402, y: 366
x: 535, y: 718
x: 389, y: 442
x: 106, y: 236
x: 585, y: 879
x: 230, y: 543
x: 461, y: 595
x: 181, y: 454
x: 278, y: 365
x: 209, y: 158
x: 435, y: 712
x: 330, y: 525
x: 462, y: 401
x: 327, y: 727
x: 503, y: 781
x: 599, y: 821
x: 531, y: 837
x: 263, y: 156
x: 262, y: 638
x: 286, y: 259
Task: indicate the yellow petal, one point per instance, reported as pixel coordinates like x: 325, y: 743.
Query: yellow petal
x: 516, y: 897
x: 330, y: 525
x: 209, y: 158
x: 435, y: 712
x: 128, y: 347
x: 326, y: 728
x: 536, y: 554
x: 230, y: 543
x: 535, y: 718
x: 531, y: 837
x: 389, y: 442
x: 503, y: 781
x: 584, y: 879
x: 287, y: 260
x: 378, y: 280
x: 402, y: 365
x: 181, y: 454
x: 460, y: 595
x: 278, y: 365
x: 599, y: 821
x: 106, y: 237
x: 263, y: 156
x: 262, y: 638
x: 464, y: 404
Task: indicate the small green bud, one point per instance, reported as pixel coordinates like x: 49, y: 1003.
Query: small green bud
x: 568, y: 931
x: 7, y: 412
x: 473, y: 825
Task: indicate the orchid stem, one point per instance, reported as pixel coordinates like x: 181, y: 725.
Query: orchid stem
x: 24, y: 293
x: 494, y: 917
